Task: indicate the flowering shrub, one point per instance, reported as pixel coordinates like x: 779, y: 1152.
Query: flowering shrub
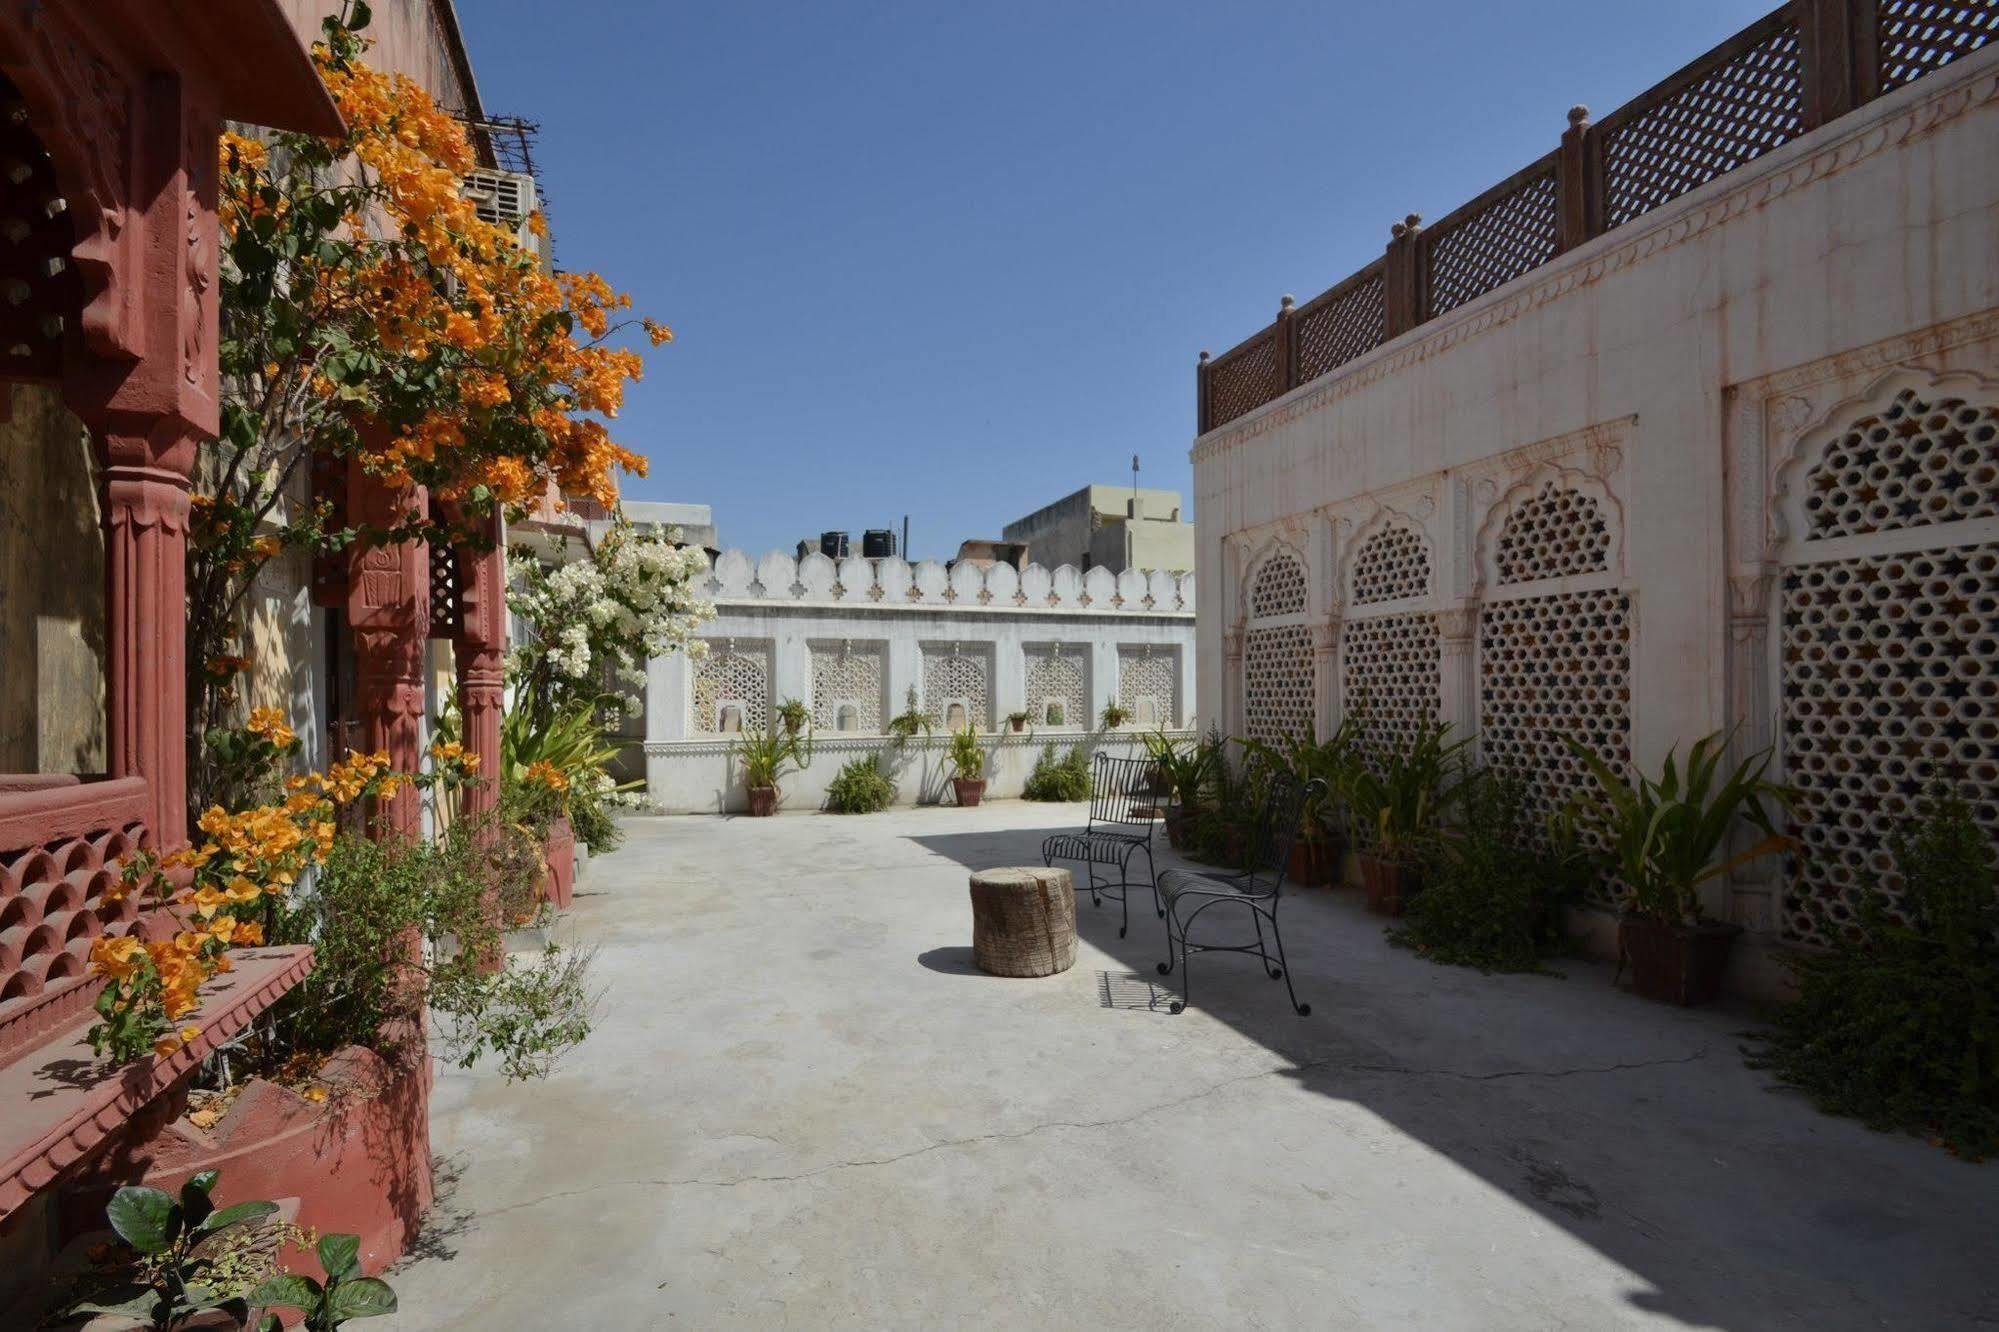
x: 369, y: 314
x: 222, y: 893
x: 601, y: 619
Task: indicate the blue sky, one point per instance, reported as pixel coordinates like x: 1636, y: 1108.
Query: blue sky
x: 955, y: 261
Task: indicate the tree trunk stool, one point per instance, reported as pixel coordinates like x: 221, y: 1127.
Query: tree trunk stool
x: 1023, y: 921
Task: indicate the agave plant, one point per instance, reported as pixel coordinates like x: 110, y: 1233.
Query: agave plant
x: 1188, y: 771
x: 1333, y: 762
x: 571, y: 741
x: 1666, y: 834
x: 967, y: 760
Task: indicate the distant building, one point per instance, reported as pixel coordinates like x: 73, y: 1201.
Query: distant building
x: 1109, y: 527
x: 696, y: 522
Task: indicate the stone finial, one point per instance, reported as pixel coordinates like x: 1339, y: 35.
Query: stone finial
x: 1413, y: 221
x: 1396, y: 230
x: 1578, y: 114
x: 1204, y: 356
x: 1285, y: 302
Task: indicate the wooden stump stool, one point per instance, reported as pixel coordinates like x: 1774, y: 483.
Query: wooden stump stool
x: 1023, y: 921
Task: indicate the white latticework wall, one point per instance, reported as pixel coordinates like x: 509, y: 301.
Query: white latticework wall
x: 1925, y: 458
x: 1058, y: 685
x: 1148, y: 685
x: 1279, y: 587
x: 732, y: 689
x: 847, y: 686
x: 1279, y: 687
x: 1554, y: 669
x: 957, y: 687
x: 1889, y: 658
x: 1393, y: 565
x: 1558, y: 533
x: 1391, y: 680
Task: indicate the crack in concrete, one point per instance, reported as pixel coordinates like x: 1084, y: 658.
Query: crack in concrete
x: 870, y: 1162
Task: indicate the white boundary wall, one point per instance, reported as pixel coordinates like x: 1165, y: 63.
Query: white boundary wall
x: 851, y: 638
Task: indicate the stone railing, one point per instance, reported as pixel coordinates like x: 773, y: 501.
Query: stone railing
x: 894, y: 582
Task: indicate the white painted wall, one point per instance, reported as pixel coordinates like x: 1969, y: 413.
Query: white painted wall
x: 998, y: 615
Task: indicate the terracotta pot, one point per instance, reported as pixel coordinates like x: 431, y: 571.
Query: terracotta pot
x: 763, y: 801
x: 1390, y: 884
x: 969, y: 790
x: 1314, y: 863
x: 358, y: 1162
x: 1176, y: 826
x: 1018, y: 726
x: 1677, y: 964
x: 791, y: 727
x: 558, y: 881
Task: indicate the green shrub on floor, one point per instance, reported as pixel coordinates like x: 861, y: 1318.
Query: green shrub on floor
x: 1487, y: 902
x: 860, y: 788
x: 1898, y: 1025
x: 1064, y: 777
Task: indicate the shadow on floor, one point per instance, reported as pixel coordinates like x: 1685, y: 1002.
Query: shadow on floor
x: 1633, y: 1127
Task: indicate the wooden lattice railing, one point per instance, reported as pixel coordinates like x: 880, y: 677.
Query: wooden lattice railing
x: 1795, y: 69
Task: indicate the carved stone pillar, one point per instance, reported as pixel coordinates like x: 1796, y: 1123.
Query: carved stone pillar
x: 388, y: 608
x: 1233, y: 643
x: 1326, y: 673
x: 1457, y: 668
x: 480, y: 653
x: 1754, y: 888
x: 145, y: 549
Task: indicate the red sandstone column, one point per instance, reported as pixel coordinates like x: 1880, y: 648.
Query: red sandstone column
x: 388, y: 608
x: 480, y: 651
x: 145, y: 548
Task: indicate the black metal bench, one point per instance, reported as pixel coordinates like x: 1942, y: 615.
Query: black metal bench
x: 1190, y: 894
x: 1123, y: 807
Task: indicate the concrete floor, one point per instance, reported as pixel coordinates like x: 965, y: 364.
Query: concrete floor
x: 802, y: 1107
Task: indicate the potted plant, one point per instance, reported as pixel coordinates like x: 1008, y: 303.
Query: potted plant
x: 1187, y: 774
x: 1318, y: 849
x: 794, y: 715
x: 1114, y: 716
x: 766, y: 756
x: 968, y: 767
x: 1017, y: 720
x: 1394, y: 800
x: 911, y: 722
x: 1666, y: 837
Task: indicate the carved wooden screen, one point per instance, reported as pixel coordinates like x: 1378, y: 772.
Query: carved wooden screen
x: 1918, y: 36
x: 1494, y: 239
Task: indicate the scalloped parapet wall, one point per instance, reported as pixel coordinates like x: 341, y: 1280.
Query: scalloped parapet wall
x: 895, y: 582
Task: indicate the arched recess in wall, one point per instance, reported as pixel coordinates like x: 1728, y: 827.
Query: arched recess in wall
x: 1554, y: 635
x: 1887, y: 654
x: 1278, y: 684
x: 732, y: 687
x: 1389, y: 678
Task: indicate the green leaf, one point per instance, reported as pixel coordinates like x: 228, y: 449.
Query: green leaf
x: 132, y: 1301
x: 237, y: 1215
x: 289, y: 1289
x: 144, y: 1218
x: 363, y: 1297
x: 195, y: 1204
x: 340, y: 1255
x: 360, y: 16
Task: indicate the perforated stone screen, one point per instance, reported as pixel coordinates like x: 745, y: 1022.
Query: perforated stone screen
x: 1925, y: 459
x: 1391, y: 677
x: 1279, y: 587
x: 1554, y: 669
x: 732, y: 689
x: 957, y: 687
x: 1556, y: 534
x: 1058, y: 685
x: 1148, y: 684
x: 1891, y: 682
x: 847, y: 686
x: 1393, y: 564
x: 1278, y: 683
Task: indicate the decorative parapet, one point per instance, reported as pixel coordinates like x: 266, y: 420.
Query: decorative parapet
x: 857, y: 583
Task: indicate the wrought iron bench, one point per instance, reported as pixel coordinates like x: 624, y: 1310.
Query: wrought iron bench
x: 1123, y: 798
x: 1190, y: 894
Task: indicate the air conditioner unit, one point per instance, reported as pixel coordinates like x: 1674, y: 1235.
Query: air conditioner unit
x: 504, y: 198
